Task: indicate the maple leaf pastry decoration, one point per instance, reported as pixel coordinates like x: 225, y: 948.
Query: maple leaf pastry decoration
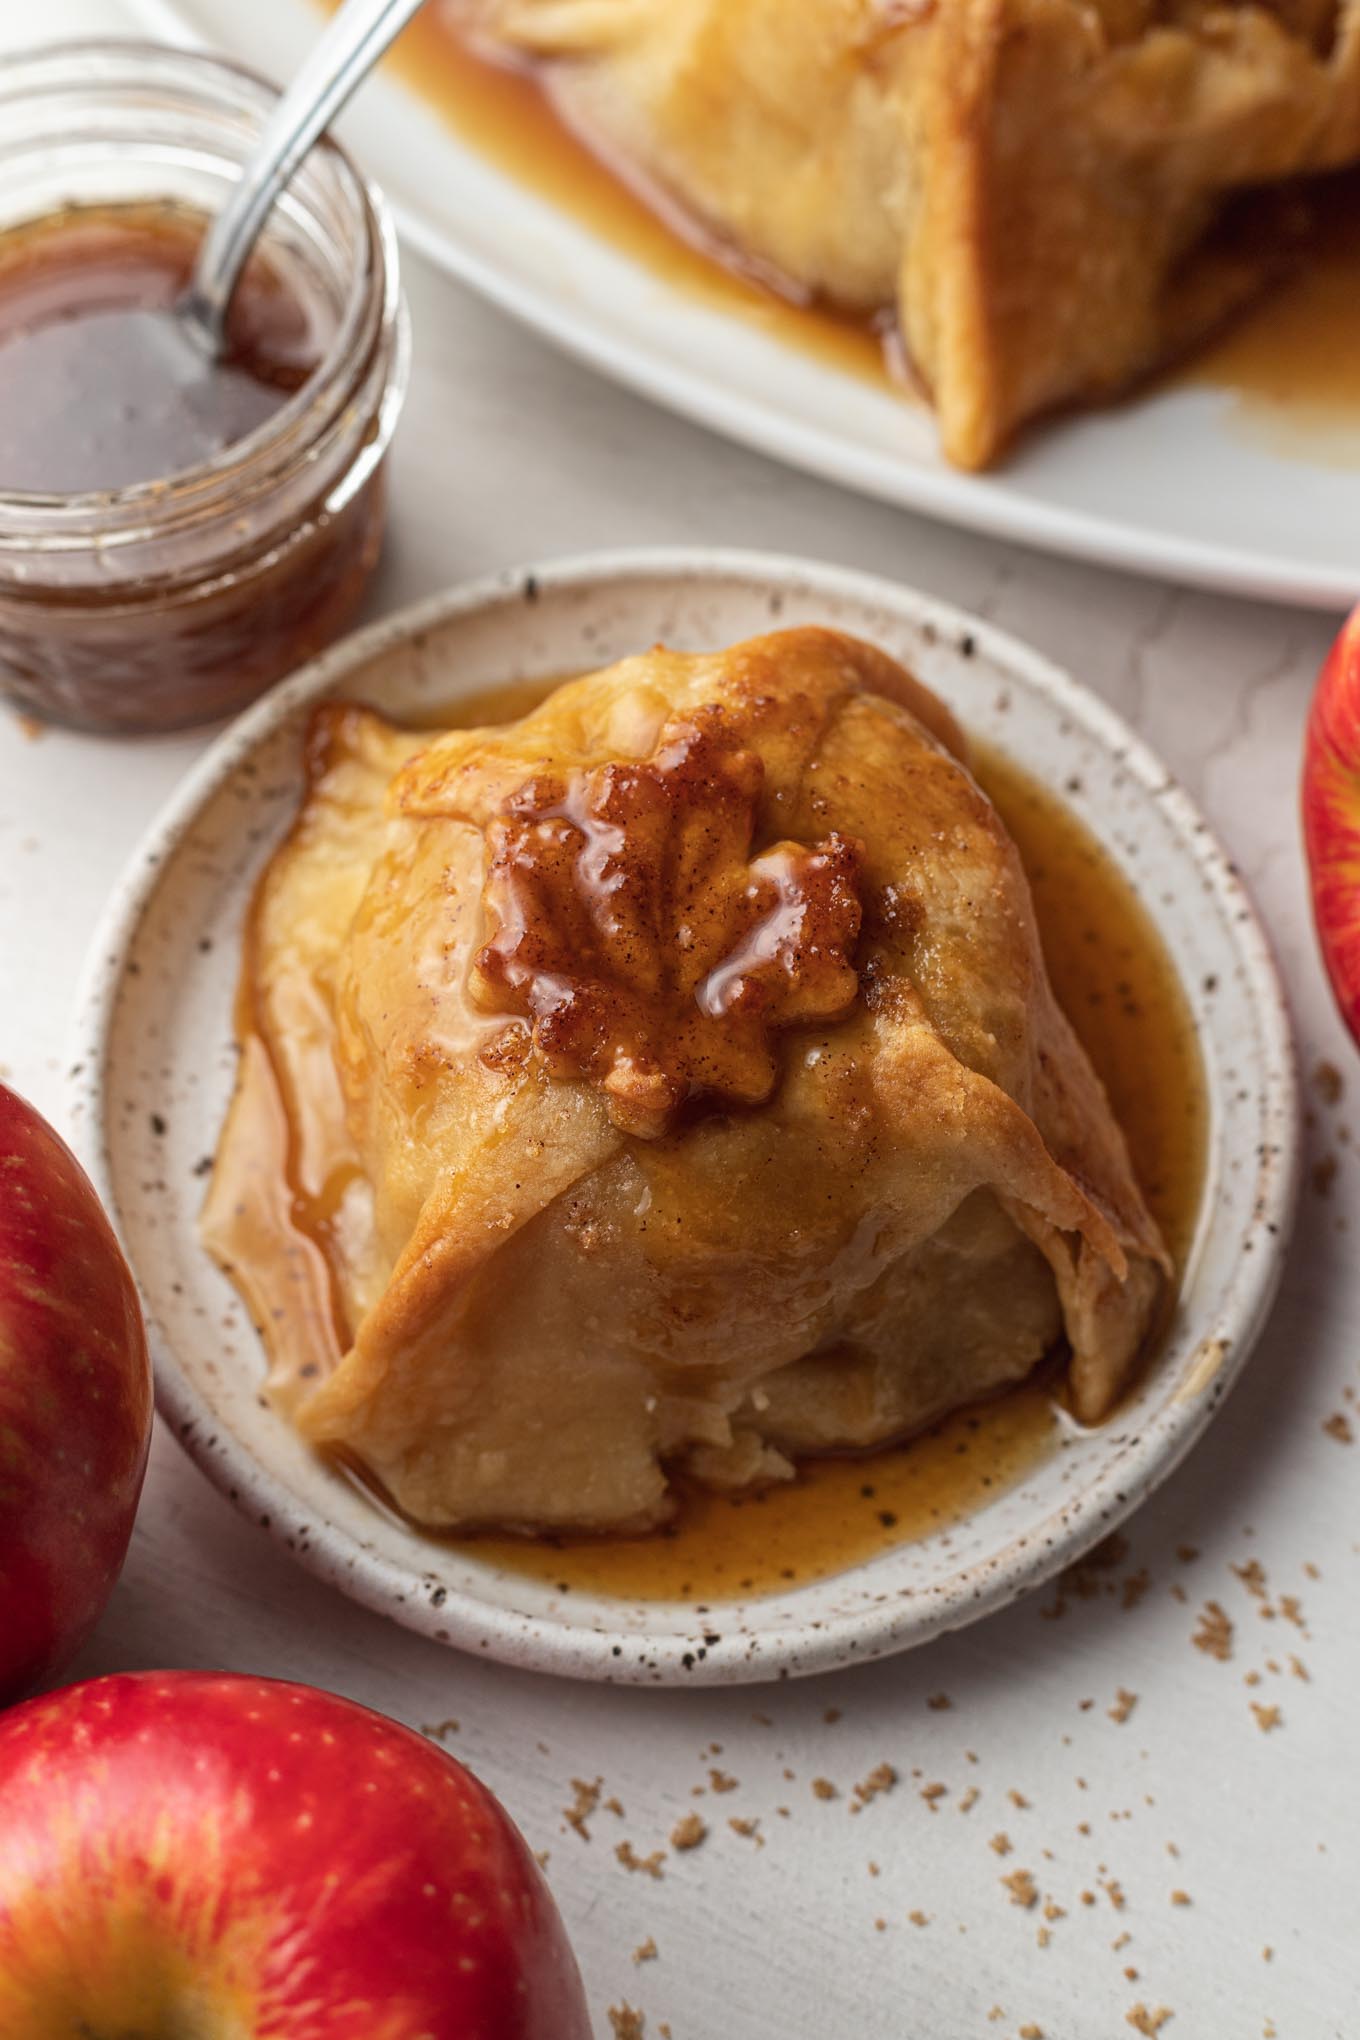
x: 630, y: 924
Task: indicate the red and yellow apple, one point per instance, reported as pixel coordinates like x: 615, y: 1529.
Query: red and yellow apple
x: 230, y: 1858
x: 1331, y: 816
x: 75, y: 1401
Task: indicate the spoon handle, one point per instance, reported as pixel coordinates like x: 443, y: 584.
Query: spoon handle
x: 341, y: 58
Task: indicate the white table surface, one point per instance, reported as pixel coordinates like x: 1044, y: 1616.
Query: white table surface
x: 508, y: 453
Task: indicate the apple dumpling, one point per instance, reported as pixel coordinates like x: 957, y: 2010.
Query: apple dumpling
x: 664, y: 1085
x: 1037, y: 193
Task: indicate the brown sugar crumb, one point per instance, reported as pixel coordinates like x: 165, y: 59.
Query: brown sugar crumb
x: 1215, y: 1633
x: 1180, y: 1898
x: 1114, y: 1891
x: 1000, y: 1844
x: 1088, y: 1898
x: 1310, y: 1570
x: 627, y: 2024
x: 995, y: 2014
x: 749, y: 1828
x: 1145, y: 2021
x: 1292, y: 1610
x: 1266, y: 1717
x: 542, y: 1857
x: 721, y: 1782
x: 831, y: 1716
x: 933, y: 1793
x: 587, y: 1799
x: 1124, y: 1704
x: 649, y: 1865
x: 918, y: 1918
x: 1121, y: 1941
x: 615, y: 1806
x: 645, y: 1950
x: 1053, y: 1911
x: 880, y: 1926
x: 1043, y: 1936
x: 1030, y: 2031
x: 688, y: 1832
x: 1338, y: 1426
x: 822, y: 1788
x: 1187, y: 1553
x: 1298, y: 1668
x: 1135, y: 1587
x: 939, y: 1703
x: 969, y: 1799
x: 881, y: 1779
x: 1253, y: 1577
x: 1018, y: 1799
x: 1328, y: 1083
x: 1021, y: 1887
x: 437, y: 1730
x: 1251, y: 1678
x: 1131, y: 1974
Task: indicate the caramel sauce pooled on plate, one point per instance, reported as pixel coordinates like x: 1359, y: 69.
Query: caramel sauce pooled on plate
x: 1116, y: 982
x: 1292, y: 362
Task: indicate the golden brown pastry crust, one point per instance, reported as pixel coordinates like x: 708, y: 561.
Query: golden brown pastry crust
x: 1032, y: 186
x: 556, y: 1297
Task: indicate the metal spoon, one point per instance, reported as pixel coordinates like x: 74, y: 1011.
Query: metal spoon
x: 340, y: 60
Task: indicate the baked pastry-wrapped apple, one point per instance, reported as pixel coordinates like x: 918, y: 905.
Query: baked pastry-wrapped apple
x: 1033, y: 189
x: 667, y: 1083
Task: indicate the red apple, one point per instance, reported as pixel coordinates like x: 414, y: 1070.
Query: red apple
x: 75, y: 1401
x: 1331, y: 816
x: 240, y: 1859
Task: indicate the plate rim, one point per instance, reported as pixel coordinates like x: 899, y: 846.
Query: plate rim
x: 968, y: 502
x: 894, y: 1623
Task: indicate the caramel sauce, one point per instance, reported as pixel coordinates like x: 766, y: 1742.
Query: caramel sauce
x: 98, y: 389
x: 1119, y: 988
x: 1292, y: 362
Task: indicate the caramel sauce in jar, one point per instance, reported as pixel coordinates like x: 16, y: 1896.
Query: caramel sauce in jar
x: 97, y: 390
x: 177, y: 533
x: 1117, y: 984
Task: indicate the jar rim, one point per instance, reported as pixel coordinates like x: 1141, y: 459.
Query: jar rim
x: 74, y: 519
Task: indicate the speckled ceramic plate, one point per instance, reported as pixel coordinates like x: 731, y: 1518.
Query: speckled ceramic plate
x: 154, y: 1062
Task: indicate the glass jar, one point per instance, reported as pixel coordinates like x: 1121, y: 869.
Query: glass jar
x: 177, y: 600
